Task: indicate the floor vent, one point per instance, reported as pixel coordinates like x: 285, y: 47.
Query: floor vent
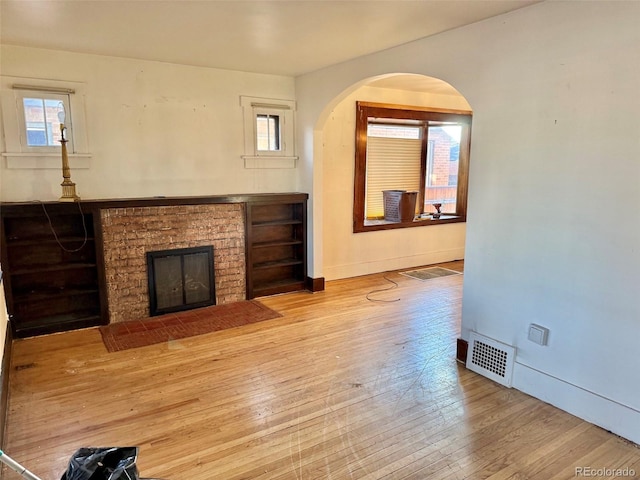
x: 491, y: 358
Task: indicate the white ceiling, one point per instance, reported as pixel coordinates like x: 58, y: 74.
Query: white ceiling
x: 268, y: 36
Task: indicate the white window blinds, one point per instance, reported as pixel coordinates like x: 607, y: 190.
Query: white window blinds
x: 392, y: 164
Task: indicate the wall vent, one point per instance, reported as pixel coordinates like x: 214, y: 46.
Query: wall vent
x: 491, y: 358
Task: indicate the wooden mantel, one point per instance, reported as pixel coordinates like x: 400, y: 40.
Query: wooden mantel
x: 93, y: 204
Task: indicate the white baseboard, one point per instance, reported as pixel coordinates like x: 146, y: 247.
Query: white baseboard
x: 606, y: 413
x: 335, y: 272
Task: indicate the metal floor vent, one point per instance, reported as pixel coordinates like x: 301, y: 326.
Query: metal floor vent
x: 491, y: 358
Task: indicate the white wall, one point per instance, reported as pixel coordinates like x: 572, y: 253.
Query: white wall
x: 346, y: 254
x: 154, y: 128
x: 553, y: 226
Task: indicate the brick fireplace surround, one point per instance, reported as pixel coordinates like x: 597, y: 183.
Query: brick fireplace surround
x: 128, y: 233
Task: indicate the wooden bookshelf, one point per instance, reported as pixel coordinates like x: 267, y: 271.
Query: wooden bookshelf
x: 276, y: 245
x: 50, y: 265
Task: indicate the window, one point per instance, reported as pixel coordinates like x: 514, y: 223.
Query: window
x: 412, y: 149
x: 268, y: 133
x: 430, y: 175
x: 443, y: 154
x: 41, y: 114
x: 385, y: 171
x: 31, y: 116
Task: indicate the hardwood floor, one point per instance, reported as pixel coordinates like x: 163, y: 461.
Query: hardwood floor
x: 340, y: 387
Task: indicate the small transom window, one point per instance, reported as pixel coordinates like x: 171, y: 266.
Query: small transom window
x: 41, y: 115
x: 268, y: 132
x: 32, y: 112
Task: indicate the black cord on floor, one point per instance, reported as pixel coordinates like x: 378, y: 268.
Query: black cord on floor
x: 395, y: 285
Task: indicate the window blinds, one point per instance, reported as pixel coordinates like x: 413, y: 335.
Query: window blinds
x: 392, y: 164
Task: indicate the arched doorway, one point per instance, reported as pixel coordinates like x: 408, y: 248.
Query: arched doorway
x: 345, y: 254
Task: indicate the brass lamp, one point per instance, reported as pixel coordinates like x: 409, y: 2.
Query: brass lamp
x: 68, y: 187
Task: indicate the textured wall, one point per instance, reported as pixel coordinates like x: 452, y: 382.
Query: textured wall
x: 129, y: 233
x: 153, y: 128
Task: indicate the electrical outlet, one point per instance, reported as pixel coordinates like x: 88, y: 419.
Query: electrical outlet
x: 538, y: 334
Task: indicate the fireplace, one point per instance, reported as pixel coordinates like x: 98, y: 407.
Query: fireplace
x: 180, y: 279
x: 129, y: 233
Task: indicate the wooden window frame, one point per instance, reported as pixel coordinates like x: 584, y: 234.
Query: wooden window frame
x: 366, y: 110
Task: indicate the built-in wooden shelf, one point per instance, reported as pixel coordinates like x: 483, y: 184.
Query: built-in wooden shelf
x: 277, y: 263
x: 275, y: 244
x: 51, y: 265
x: 283, y: 285
x: 42, y: 295
x: 276, y: 239
x: 69, y: 242
x: 52, y: 268
x: 278, y: 222
x: 57, y: 323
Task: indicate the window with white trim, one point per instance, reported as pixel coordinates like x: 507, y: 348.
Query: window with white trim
x: 41, y: 114
x: 268, y: 137
x: 268, y: 132
x: 32, y: 114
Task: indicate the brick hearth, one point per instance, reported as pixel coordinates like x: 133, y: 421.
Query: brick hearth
x: 129, y: 233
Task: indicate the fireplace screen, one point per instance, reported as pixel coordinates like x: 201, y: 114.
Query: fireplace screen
x: 180, y: 279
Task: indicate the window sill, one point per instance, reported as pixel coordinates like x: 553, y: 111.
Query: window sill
x: 269, y: 161
x: 42, y: 161
x: 425, y: 221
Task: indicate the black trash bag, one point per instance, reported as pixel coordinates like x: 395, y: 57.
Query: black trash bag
x: 112, y: 463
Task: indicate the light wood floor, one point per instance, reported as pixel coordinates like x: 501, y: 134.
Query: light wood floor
x: 339, y: 388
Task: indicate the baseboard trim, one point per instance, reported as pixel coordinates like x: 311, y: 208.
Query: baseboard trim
x: 462, y: 347
x: 4, y: 383
x: 591, y: 407
x: 315, y: 284
x: 336, y: 272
